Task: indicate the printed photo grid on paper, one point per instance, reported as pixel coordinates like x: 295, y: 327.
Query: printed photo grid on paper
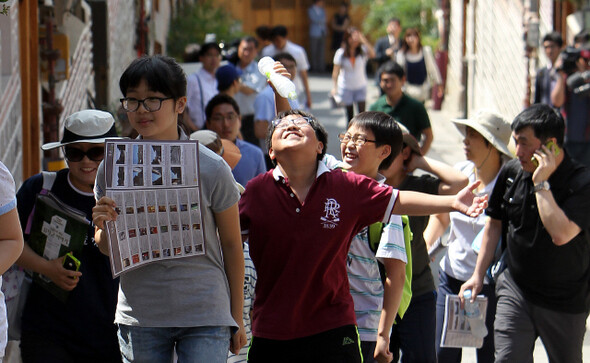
x: 155, y: 186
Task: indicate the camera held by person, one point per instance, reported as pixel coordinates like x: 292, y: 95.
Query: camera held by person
x: 575, y: 65
x: 568, y: 59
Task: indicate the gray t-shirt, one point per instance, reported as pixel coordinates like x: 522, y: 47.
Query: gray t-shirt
x: 189, y: 291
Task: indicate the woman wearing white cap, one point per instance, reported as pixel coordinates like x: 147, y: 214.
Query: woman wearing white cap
x: 81, y: 328
x: 485, y: 141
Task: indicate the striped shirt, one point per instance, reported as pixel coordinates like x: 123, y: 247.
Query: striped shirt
x: 365, y: 282
x: 249, y: 285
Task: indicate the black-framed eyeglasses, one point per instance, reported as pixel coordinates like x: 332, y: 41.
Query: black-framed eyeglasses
x: 151, y: 104
x: 281, y: 123
x: 358, y: 140
x: 76, y: 155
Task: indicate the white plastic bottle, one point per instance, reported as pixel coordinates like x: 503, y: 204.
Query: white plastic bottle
x: 473, y: 315
x: 284, y: 86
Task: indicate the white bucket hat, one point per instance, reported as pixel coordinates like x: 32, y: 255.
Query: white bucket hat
x: 92, y: 126
x: 492, y: 126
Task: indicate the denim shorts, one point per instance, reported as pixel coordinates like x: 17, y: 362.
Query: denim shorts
x: 350, y: 96
x: 193, y: 344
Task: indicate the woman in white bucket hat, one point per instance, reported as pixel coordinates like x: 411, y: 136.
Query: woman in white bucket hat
x: 485, y: 143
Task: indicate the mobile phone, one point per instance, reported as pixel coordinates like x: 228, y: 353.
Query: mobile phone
x: 552, y: 147
x: 71, y: 262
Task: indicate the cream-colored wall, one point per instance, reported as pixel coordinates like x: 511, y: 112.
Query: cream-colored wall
x: 497, y: 70
x: 10, y: 94
x: 121, y: 33
x: 160, y: 24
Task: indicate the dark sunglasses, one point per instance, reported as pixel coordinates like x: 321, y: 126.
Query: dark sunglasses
x: 76, y: 155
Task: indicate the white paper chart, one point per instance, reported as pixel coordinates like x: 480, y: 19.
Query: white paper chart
x: 155, y: 185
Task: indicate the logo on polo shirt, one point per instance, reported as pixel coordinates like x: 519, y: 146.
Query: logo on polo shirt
x: 331, y: 211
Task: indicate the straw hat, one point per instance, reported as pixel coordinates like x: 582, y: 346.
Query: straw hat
x: 492, y: 126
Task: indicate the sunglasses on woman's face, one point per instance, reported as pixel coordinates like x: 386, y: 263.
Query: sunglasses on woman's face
x: 76, y: 155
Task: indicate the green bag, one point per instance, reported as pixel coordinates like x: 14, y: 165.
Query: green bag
x: 375, y: 231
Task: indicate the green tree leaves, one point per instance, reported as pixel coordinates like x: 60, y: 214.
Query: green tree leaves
x: 412, y: 13
x: 193, y: 21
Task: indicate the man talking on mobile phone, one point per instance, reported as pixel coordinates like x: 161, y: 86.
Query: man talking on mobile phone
x: 542, y: 214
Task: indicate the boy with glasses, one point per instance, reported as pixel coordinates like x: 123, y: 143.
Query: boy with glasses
x: 223, y: 117
x: 371, y: 141
x: 264, y: 105
x: 81, y: 329
x: 300, y: 218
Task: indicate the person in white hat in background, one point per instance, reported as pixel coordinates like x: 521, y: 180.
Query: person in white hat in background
x: 485, y: 143
x: 82, y: 328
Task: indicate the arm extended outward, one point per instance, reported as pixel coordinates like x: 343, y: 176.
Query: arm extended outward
x: 417, y: 204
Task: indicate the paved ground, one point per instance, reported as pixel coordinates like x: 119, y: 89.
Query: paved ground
x: 445, y: 147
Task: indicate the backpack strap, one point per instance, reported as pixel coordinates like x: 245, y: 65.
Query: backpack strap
x: 513, y: 168
x: 374, y: 233
x: 407, y: 289
x: 48, y: 180
x: 202, y: 101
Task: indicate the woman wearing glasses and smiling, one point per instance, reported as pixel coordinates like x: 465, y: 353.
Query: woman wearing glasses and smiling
x: 81, y: 329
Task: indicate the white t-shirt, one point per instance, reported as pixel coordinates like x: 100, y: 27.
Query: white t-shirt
x: 460, y: 259
x: 253, y: 79
x: 201, y: 87
x: 352, y: 76
x: 300, y: 57
x: 7, y: 203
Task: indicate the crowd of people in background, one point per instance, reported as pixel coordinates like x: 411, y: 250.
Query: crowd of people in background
x: 336, y: 248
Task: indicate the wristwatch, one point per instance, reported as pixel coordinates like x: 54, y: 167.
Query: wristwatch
x: 541, y: 186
